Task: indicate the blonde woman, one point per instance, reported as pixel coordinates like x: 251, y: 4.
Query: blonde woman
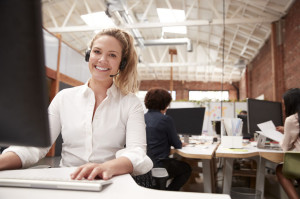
x: 102, y: 122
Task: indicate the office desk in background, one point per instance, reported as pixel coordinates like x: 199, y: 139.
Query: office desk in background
x: 123, y: 187
x: 205, y: 153
x: 252, y: 152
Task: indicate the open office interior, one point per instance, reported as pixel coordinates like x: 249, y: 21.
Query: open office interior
x: 219, y: 54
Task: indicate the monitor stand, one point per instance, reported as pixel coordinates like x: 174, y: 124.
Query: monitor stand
x: 186, y: 139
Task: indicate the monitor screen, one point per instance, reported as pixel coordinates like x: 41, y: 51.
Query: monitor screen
x: 24, y: 100
x: 262, y: 111
x: 188, y: 121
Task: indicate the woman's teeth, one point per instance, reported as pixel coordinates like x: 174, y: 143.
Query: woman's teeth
x: 100, y: 68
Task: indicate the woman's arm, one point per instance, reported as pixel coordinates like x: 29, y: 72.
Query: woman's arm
x: 291, y: 133
x: 10, y: 160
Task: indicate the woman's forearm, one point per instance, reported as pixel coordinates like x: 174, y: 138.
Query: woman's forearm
x: 10, y: 160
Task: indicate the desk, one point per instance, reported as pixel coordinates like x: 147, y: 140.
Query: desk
x: 204, y: 152
x: 123, y: 187
x: 260, y: 155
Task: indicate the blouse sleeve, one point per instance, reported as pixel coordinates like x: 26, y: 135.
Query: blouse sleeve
x: 31, y: 155
x: 291, y: 133
x: 136, y: 143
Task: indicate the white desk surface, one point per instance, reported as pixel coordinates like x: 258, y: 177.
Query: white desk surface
x: 122, y: 187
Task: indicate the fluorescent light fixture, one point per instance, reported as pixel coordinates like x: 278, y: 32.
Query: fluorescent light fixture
x: 168, y: 15
x: 97, y: 19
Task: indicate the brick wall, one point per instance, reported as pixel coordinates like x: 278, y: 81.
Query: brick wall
x: 182, y: 88
x: 260, y: 70
x: 292, y: 47
x: 260, y: 74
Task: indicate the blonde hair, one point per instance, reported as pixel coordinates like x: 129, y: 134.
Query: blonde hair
x: 127, y: 80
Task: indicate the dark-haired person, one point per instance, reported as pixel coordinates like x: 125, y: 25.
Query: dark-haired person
x: 97, y: 119
x: 291, y: 136
x: 161, y: 135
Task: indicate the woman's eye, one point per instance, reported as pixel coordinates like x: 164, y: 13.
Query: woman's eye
x: 113, y: 55
x: 96, y: 51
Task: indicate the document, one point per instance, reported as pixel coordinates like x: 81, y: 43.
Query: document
x: 268, y: 129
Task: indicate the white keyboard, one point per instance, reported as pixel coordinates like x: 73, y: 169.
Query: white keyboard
x: 51, y: 178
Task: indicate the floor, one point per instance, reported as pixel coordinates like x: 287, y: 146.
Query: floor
x: 273, y: 189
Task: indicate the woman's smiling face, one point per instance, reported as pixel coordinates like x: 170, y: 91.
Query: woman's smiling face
x: 105, y: 58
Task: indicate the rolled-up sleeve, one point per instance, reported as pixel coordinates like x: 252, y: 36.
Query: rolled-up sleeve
x: 136, y: 143
x: 28, y: 155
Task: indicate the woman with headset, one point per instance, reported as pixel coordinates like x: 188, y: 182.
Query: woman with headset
x: 101, y: 122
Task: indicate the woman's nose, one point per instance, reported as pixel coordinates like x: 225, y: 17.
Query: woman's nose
x: 102, y: 58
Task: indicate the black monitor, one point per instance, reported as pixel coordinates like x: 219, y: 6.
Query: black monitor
x: 188, y: 121
x: 24, y: 97
x: 260, y: 111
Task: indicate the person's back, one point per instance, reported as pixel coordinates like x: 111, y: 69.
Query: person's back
x: 161, y: 135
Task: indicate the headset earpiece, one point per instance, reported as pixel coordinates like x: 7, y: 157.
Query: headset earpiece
x: 123, y: 64
x: 87, y: 55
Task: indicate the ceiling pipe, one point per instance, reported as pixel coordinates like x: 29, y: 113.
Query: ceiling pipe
x: 120, y: 7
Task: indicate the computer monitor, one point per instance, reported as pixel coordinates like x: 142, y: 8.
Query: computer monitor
x: 261, y: 111
x: 24, y: 99
x: 188, y: 121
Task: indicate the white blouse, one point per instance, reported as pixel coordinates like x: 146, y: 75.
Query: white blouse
x: 118, y: 121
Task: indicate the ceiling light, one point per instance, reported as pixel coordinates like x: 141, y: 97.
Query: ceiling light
x: 98, y: 19
x: 172, y: 15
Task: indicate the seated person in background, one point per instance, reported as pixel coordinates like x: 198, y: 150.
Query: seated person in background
x: 97, y: 119
x: 161, y: 135
x: 291, y: 137
x: 243, y: 112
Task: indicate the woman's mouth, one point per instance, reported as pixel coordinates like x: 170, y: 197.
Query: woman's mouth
x: 101, y: 68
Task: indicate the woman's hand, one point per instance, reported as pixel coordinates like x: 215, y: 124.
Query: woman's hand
x: 91, y: 171
x: 280, y: 129
x: 104, y: 170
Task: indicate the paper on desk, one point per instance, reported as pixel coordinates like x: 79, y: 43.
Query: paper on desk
x: 268, y: 129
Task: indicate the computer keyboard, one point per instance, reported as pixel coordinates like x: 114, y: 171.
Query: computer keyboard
x: 51, y: 178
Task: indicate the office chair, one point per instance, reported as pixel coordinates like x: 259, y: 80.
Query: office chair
x: 155, y: 179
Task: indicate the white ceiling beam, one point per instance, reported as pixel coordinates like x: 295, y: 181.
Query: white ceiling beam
x: 180, y: 64
x: 212, y: 6
x: 52, y: 17
x: 69, y: 14
x: 179, y: 54
x: 190, y: 9
x: 87, y: 7
x: 134, y: 5
x: 147, y: 10
x: 164, y: 54
x: 231, y: 42
x: 160, y: 25
x: 152, y: 55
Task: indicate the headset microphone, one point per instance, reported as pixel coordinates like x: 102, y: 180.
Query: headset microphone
x: 114, y: 75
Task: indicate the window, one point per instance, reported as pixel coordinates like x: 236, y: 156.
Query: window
x: 209, y: 95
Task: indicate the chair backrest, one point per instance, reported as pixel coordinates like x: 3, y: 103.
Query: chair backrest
x: 144, y: 180
x: 291, y: 165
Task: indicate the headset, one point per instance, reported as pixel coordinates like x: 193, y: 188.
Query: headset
x: 122, y: 65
